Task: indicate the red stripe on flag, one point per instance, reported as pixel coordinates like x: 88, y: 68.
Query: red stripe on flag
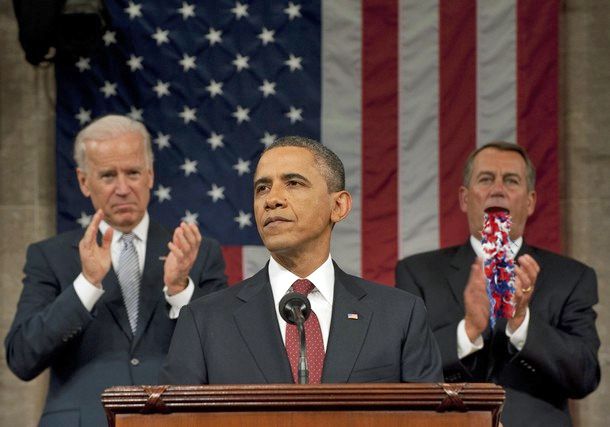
x: 537, y: 112
x: 457, y: 110
x: 379, y: 139
x: 233, y: 263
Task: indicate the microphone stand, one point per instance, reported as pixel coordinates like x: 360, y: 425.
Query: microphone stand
x: 303, y: 370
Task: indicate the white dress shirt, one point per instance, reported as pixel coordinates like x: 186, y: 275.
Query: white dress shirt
x: 321, y: 297
x: 89, y: 294
x: 517, y: 338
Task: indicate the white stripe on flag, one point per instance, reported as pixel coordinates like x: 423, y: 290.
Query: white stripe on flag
x: 418, y: 127
x: 253, y: 259
x: 341, y: 116
x: 496, y: 71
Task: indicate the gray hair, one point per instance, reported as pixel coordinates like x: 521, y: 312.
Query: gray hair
x: 329, y: 163
x: 530, y: 170
x: 109, y: 127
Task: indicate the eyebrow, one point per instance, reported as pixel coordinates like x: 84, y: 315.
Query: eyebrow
x: 285, y: 177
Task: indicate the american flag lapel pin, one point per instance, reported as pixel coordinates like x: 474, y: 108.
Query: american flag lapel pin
x: 352, y: 316
x: 162, y: 258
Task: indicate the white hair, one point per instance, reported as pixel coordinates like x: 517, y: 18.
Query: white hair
x: 109, y: 127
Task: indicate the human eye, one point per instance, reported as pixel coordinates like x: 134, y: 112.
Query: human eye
x: 261, y: 188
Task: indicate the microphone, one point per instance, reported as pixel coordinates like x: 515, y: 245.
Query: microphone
x: 295, y: 309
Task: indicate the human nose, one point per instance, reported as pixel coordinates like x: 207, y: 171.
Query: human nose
x: 122, y: 186
x: 275, y: 198
x: 498, y: 189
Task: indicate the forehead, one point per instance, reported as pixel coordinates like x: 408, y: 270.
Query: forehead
x: 284, y: 160
x: 494, y: 160
x: 128, y: 147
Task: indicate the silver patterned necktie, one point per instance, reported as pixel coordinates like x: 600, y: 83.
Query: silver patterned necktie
x: 129, y: 278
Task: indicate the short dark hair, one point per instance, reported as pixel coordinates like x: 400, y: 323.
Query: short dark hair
x: 330, y: 165
x: 530, y: 170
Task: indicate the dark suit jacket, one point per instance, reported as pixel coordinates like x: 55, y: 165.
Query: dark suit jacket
x: 87, y: 352
x: 559, y: 359
x: 233, y: 337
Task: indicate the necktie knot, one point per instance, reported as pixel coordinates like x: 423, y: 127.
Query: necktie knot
x: 303, y: 286
x: 128, y: 239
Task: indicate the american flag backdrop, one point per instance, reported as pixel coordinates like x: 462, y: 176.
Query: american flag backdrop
x: 401, y: 90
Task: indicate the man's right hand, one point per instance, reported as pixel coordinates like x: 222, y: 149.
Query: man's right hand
x: 476, y: 302
x: 95, y: 259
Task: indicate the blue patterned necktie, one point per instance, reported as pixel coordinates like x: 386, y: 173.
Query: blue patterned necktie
x: 129, y: 278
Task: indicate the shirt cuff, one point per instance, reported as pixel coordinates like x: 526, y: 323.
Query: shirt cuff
x: 179, y: 300
x: 87, y: 292
x: 465, y: 346
x: 518, y: 337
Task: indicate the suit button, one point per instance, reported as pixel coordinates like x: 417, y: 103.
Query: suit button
x: 135, y: 362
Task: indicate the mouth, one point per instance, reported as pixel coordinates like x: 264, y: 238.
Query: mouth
x: 274, y: 220
x: 497, y: 209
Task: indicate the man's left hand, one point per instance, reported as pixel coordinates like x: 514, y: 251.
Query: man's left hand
x: 183, y: 251
x: 526, y: 272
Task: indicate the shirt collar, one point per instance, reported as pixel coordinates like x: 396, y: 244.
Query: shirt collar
x: 140, y: 230
x: 323, y: 278
x: 515, y: 246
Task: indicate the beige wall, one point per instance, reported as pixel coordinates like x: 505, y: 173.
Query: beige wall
x: 27, y: 183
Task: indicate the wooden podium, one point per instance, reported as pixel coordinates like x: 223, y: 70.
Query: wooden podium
x: 335, y: 405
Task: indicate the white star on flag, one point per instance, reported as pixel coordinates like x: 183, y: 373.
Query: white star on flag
x: 133, y: 10
x: 215, y: 140
x: 135, y: 62
x: 161, y: 36
x: 190, y: 218
x: 294, y: 62
x: 268, y: 139
x: 187, y: 10
x: 189, y: 166
x: 109, y: 89
x: 187, y: 62
x: 267, y: 36
x: 294, y: 114
x: 162, y: 193
x: 215, y: 88
x: 216, y: 193
x: 84, y: 219
x: 241, y: 62
x: 293, y: 11
x: 109, y: 37
x: 242, y: 166
x: 161, y: 88
x: 241, y: 114
x: 240, y: 10
x: 268, y: 88
x: 162, y: 141
x: 136, y: 113
x: 188, y: 114
x: 83, y: 116
x: 83, y: 64
x: 214, y: 36
x: 244, y: 219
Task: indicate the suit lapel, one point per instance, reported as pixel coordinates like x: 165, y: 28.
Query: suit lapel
x: 151, y: 287
x: 346, y: 335
x: 113, y: 299
x: 458, y: 276
x: 257, y: 322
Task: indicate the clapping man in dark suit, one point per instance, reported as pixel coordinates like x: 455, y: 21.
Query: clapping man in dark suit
x: 358, y: 332
x: 98, y: 307
x: 547, y: 352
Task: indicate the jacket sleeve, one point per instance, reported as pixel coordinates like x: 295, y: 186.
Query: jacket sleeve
x: 49, y: 316
x: 564, y: 347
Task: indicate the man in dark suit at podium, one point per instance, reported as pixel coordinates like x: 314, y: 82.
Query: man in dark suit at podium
x: 98, y: 307
x: 358, y: 331
x: 547, y: 352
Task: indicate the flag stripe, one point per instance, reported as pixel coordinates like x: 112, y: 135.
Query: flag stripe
x: 379, y: 139
x: 418, y: 124
x: 457, y: 116
x: 537, y: 74
x: 496, y: 78
x: 233, y: 262
x: 341, y: 116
